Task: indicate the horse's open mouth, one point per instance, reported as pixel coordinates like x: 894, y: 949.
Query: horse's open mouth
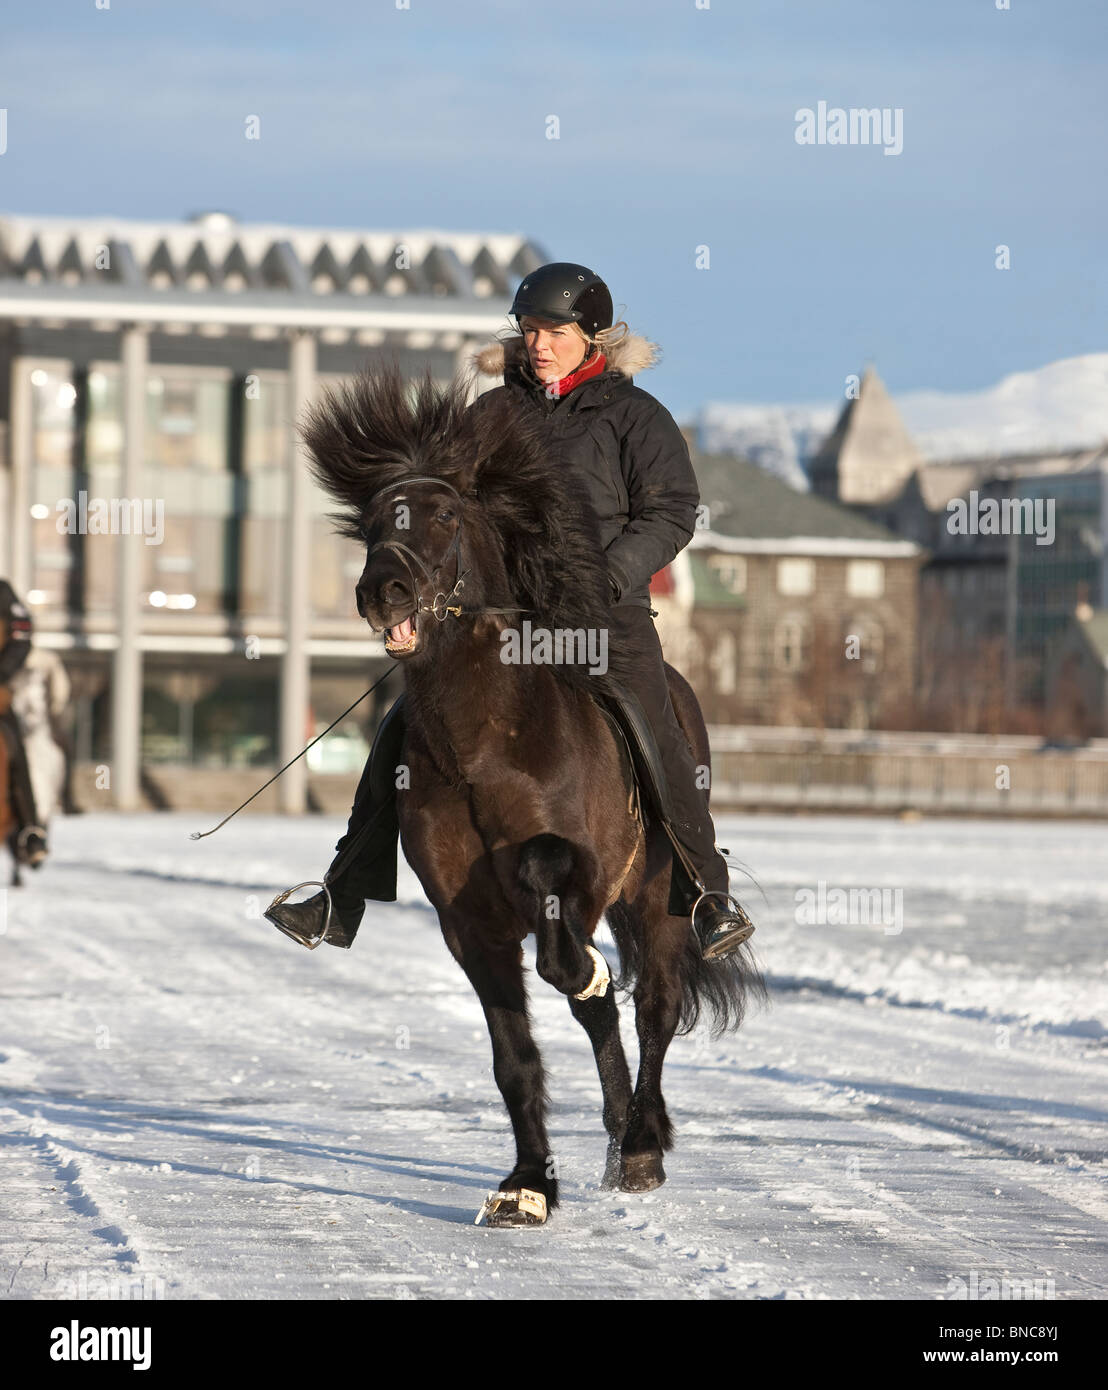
x: 402, y: 638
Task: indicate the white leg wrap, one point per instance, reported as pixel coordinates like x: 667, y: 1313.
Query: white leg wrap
x: 601, y: 976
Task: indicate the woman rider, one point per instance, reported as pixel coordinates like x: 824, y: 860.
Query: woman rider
x: 573, y: 368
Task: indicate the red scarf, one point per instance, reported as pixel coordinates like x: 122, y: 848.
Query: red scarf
x: 593, y: 367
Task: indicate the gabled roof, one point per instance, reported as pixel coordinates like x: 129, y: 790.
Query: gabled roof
x: 869, y: 454
x: 751, y: 510
x: 214, y: 252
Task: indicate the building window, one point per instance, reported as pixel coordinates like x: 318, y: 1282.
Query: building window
x: 790, y: 644
x: 693, y: 656
x: 265, y: 447
x: 865, y: 578
x: 796, y: 577
x: 730, y: 570
x: 187, y: 503
x: 723, y: 663
x: 201, y: 716
x: 53, y: 481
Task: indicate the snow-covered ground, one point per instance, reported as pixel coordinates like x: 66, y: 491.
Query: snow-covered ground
x: 191, y: 1103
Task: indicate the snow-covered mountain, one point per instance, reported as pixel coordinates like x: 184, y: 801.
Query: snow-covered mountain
x: 1063, y: 405
x: 778, y: 438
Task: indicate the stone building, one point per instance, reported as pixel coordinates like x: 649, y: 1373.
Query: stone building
x: 868, y: 457
x: 994, y: 597
x: 1077, y: 678
x: 789, y: 609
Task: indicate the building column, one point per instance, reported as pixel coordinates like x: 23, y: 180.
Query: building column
x: 17, y: 567
x: 295, y: 665
x: 127, y: 659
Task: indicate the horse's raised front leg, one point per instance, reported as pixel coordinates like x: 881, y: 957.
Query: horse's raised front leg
x: 558, y: 900
x: 496, y: 973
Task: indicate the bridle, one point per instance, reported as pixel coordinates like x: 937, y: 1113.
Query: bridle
x: 440, y: 606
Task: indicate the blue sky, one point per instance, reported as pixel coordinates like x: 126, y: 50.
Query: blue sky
x: 677, y: 131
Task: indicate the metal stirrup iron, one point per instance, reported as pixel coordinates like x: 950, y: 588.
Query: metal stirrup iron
x: 309, y: 941
x: 732, y: 903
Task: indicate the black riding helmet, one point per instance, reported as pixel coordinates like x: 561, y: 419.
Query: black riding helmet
x: 565, y: 293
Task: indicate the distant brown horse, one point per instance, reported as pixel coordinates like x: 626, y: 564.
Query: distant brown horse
x: 515, y: 814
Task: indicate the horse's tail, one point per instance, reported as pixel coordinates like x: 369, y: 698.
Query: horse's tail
x: 721, y: 990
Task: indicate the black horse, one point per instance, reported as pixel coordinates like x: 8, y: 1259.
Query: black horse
x: 516, y: 813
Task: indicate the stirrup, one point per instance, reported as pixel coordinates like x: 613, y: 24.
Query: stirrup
x: 310, y: 942
x: 21, y: 842
x: 735, y: 906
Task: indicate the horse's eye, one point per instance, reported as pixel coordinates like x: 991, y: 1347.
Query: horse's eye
x: 446, y: 515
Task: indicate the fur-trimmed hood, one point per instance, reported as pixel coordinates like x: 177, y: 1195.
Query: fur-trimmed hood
x: 631, y: 355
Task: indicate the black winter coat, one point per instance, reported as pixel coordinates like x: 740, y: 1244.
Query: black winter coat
x: 16, y: 623
x: 627, y: 446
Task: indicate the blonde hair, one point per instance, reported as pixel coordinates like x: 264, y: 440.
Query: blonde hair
x: 605, y: 338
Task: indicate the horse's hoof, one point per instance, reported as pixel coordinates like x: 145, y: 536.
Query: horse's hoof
x: 641, y: 1172
x: 520, y: 1207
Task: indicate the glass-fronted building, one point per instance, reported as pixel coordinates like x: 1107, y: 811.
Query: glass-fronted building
x: 1065, y: 568
x: 155, y: 508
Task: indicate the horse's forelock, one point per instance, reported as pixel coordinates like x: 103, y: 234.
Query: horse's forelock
x: 373, y: 429
x: 377, y: 430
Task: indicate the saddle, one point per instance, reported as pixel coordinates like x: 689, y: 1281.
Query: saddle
x: 639, y: 757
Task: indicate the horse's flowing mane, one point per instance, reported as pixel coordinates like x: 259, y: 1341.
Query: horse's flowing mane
x: 379, y: 428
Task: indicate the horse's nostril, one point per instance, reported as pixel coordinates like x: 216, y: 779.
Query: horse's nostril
x: 395, y: 591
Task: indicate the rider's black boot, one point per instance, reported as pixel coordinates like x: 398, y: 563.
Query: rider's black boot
x: 722, y: 930
x: 317, y: 920
x: 700, y: 878
x: 700, y: 887
x: 365, y: 863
